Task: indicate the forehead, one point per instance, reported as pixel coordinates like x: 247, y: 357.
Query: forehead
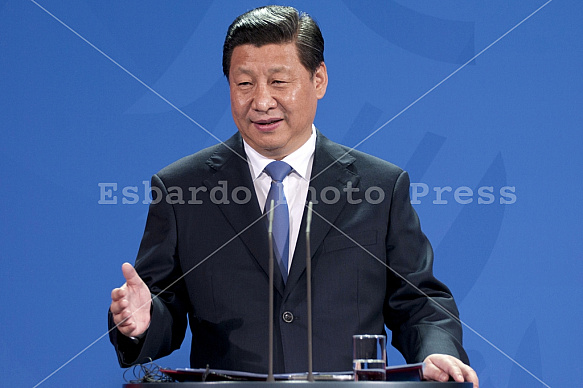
x: 249, y: 58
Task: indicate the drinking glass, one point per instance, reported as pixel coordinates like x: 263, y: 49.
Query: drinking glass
x: 369, y: 357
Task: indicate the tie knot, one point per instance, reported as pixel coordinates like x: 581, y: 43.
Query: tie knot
x: 278, y: 170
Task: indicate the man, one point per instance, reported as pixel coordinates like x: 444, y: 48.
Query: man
x: 206, y: 258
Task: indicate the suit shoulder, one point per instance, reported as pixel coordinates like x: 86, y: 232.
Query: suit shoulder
x: 346, y: 155
x: 370, y: 165
x: 376, y: 162
x: 190, y: 168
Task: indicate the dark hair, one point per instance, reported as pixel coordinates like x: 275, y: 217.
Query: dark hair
x: 276, y: 24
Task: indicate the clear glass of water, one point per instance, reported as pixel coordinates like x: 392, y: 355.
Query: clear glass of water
x: 369, y: 357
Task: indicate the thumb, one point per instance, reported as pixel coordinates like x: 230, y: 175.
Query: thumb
x: 130, y: 274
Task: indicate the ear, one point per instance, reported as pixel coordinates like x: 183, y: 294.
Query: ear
x: 320, y: 80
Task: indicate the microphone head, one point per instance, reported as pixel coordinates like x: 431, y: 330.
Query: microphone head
x: 309, y: 219
x: 271, y: 204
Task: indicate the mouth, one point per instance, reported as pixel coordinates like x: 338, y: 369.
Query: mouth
x: 267, y: 125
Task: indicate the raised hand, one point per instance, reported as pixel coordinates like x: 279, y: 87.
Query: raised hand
x: 130, y: 304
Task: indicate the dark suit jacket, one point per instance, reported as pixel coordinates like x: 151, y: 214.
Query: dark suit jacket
x: 208, y: 260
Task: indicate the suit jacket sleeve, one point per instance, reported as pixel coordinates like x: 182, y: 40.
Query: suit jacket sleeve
x: 157, y: 266
x: 419, y: 310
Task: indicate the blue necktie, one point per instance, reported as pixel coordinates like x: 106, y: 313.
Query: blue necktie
x: 278, y: 170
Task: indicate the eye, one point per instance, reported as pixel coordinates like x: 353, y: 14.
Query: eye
x: 244, y: 85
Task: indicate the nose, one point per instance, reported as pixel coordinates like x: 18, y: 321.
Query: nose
x: 263, y: 100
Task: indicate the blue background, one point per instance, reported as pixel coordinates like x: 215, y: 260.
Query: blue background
x: 71, y: 119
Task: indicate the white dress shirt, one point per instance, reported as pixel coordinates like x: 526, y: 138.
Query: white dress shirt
x: 295, y: 185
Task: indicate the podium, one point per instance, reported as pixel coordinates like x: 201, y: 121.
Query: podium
x: 303, y: 384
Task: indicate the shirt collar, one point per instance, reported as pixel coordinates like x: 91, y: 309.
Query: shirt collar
x: 299, y: 160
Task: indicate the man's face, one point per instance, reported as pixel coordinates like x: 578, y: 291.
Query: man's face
x: 273, y: 97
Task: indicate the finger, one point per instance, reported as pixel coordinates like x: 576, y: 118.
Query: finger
x: 455, y: 372
x: 120, y: 320
x: 432, y: 372
x: 126, y: 330
x: 115, y: 308
x: 449, y: 366
x: 128, y: 271
x: 459, y: 371
x: 471, y: 376
x: 124, y: 318
x: 118, y: 293
x: 127, y: 323
x: 130, y: 274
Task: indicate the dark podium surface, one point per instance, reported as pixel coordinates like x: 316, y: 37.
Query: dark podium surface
x: 304, y: 384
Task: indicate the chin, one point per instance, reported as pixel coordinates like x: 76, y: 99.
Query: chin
x: 270, y: 144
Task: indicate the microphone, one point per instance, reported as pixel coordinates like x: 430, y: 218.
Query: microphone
x: 270, y: 341
x: 309, y: 291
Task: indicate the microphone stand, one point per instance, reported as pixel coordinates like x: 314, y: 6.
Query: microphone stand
x: 309, y: 292
x: 270, y: 238
x: 270, y: 376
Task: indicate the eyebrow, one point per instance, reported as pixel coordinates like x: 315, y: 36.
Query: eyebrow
x: 278, y: 69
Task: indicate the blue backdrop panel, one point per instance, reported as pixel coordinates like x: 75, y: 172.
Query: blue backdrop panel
x: 96, y: 96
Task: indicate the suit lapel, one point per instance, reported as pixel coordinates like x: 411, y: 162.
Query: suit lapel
x: 330, y: 173
x: 246, y: 218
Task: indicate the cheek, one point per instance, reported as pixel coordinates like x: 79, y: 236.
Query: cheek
x: 301, y: 103
x: 238, y: 106
x: 291, y: 101
x: 294, y: 97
